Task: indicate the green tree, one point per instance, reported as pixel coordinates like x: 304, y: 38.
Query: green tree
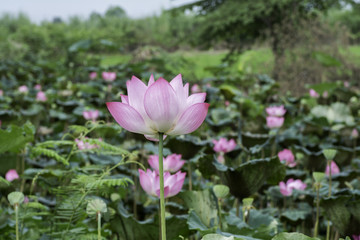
x: 240, y: 23
x: 117, y: 12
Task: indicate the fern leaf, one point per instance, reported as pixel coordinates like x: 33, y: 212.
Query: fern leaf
x: 54, y: 143
x: 37, y: 151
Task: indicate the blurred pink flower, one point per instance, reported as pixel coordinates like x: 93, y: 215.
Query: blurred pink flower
x: 150, y: 182
x: 276, y: 111
x: 227, y: 103
x: 274, y: 122
x: 11, y: 175
x: 195, y: 88
x: 109, y: 76
x: 346, y: 84
x: 334, y: 169
x: 313, y: 93
x: 38, y: 87
x: 26, y: 199
x: 172, y: 163
x: 291, y: 184
x: 159, y: 107
x: 220, y: 158
x: 208, y: 85
x: 91, y: 115
x: 85, y: 145
x: 354, y: 133
x: 41, y: 96
x: 93, y: 75
x: 356, y: 237
x: 1, y: 93
x: 23, y: 89
x: 325, y: 94
x: 287, y: 157
x: 223, y: 145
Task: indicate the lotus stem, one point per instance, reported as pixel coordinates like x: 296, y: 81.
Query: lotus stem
x: 237, y: 207
x: 99, y: 225
x: 317, y: 211
x: 273, y: 149
x: 190, y: 177
x: 220, y: 222
x: 354, y: 146
x: 328, y: 230
x: 329, y: 195
x: 17, y: 220
x: 329, y: 163
x: 162, y: 198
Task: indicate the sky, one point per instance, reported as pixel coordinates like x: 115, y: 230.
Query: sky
x: 39, y: 10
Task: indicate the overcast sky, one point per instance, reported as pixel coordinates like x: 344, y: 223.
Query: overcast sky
x: 39, y: 10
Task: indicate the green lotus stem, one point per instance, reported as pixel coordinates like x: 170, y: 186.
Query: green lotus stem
x: 220, y: 223
x: 354, y: 146
x: 317, y: 211
x: 162, y: 199
x: 244, y: 217
x: 190, y: 177
x: 329, y: 163
x: 329, y: 195
x: 273, y: 149
x: 17, y: 220
x: 328, y: 230
x: 99, y: 225
x: 237, y: 207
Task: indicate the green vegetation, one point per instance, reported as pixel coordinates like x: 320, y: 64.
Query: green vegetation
x: 259, y: 60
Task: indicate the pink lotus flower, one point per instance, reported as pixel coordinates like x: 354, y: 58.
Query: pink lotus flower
x: 223, y: 145
x: 38, y: 87
x: 276, y: 111
x: 195, y: 88
x: 313, y: 93
x: 325, y: 94
x: 11, y: 175
x: 354, y: 133
x: 159, y: 107
x: 334, y: 169
x: 41, y: 97
x: 91, y: 115
x: 93, y: 75
x: 172, y: 163
x: 150, y: 182
x: 23, y: 89
x: 1, y: 93
x: 109, y: 76
x: 274, y: 122
x: 85, y: 145
x: 291, y: 184
x: 287, y: 157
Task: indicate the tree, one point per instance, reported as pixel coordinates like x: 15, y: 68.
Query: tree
x: 239, y: 23
x: 116, y: 12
